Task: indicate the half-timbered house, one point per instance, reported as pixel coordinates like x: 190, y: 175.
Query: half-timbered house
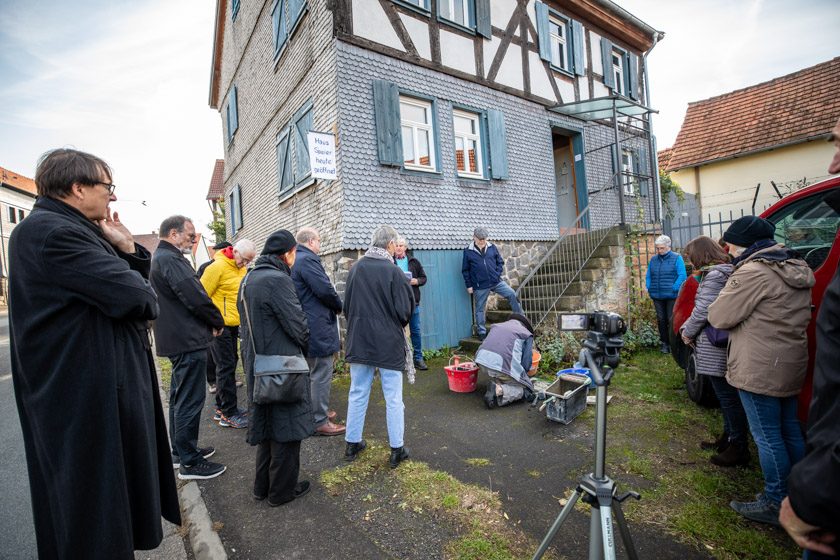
x: 527, y: 117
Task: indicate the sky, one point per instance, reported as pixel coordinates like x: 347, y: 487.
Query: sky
x: 128, y: 80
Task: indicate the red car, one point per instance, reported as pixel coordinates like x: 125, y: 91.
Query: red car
x: 804, y: 222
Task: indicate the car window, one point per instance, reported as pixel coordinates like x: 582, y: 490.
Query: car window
x: 808, y: 226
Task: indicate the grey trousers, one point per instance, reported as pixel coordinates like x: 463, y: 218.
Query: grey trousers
x: 320, y: 377
x: 511, y: 390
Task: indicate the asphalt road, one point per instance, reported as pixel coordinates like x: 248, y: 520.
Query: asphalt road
x: 17, y: 533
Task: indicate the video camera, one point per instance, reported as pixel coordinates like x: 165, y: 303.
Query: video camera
x: 603, y: 337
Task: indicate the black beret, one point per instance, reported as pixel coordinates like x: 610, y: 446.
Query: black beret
x: 279, y: 243
x: 221, y: 245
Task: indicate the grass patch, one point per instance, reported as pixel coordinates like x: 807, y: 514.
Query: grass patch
x: 165, y: 367
x: 478, y: 462
x: 653, y: 435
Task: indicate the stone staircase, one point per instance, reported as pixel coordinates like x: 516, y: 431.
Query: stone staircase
x: 598, y: 282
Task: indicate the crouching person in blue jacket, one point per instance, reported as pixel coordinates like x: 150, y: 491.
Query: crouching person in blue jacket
x: 506, y: 356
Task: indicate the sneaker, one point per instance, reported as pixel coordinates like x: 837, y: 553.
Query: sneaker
x: 217, y: 415
x: 206, y: 452
x: 239, y: 383
x: 212, y: 389
x: 237, y: 421
x: 762, y: 510
x: 201, y: 471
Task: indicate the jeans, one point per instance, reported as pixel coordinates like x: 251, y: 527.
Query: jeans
x: 664, y: 309
x: 320, y: 378
x: 186, y: 399
x: 361, y: 378
x: 481, y: 302
x: 734, y: 418
x: 416, y: 340
x: 225, y: 351
x: 278, y: 467
x: 778, y: 436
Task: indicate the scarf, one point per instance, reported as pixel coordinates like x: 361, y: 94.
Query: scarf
x: 752, y: 249
x: 378, y: 253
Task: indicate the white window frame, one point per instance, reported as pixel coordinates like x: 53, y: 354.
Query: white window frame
x: 558, y: 40
x: 466, y: 14
x: 415, y: 126
x: 628, y: 180
x: 479, y: 148
x: 618, y: 72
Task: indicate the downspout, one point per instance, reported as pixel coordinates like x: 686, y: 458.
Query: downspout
x: 654, y: 159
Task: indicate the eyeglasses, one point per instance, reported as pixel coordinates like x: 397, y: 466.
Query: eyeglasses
x: 109, y: 186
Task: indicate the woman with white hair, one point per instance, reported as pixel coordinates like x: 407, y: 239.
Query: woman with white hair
x: 665, y: 275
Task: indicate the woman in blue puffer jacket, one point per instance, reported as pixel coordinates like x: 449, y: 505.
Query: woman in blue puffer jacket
x: 665, y: 275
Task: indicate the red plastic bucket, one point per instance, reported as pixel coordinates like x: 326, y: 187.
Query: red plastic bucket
x: 462, y: 377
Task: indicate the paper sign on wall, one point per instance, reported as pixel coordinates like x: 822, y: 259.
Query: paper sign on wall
x: 322, y: 155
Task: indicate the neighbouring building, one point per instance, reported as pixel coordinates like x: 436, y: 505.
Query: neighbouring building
x: 17, y: 197
x: 741, y: 151
x: 527, y: 117
x: 216, y: 191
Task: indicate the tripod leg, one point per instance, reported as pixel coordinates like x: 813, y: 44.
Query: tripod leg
x: 596, y: 541
x: 564, y: 513
x: 607, y: 532
x: 626, y: 538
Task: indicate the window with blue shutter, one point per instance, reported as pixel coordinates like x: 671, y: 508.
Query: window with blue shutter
x: 577, y: 48
x: 632, y: 63
x: 543, y: 34
x: 285, y: 176
x: 607, y: 63
x: 302, y: 126
x: 293, y: 169
x: 498, y: 144
x: 232, y: 114
x: 235, y: 204
x: 285, y: 17
x: 234, y: 9
x: 560, y: 40
x: 458, y: 12
x: 386, y: 106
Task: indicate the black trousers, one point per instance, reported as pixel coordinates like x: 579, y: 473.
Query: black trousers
x: 186, y: 399
x: 225, y: 349
x: 664, y: 310
x: 278, y: 466
x: 211, y: 368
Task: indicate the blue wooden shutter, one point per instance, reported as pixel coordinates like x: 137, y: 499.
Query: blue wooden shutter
x: 543, y: 32
x: 633, y: 75
x: 278, y: 22
x: 644, y: 167
x: 482, y: 19
x: 606, y: 61
x: 577, y: 46
x: 386, y: 107
x: 303, y: 124
x: 234, y: 111
x: 284, y: 160
x: 235, y: 209
x: 295, y: 11
x: 239, y: 214
x: 498, y: 144
x: 234, y: 9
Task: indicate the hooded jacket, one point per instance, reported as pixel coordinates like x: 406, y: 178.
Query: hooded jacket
x: 221, y: 280
x: 766, y: 306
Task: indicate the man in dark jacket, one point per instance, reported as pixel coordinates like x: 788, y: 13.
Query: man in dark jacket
x: 809, y: 513
x: 321, y: 303
x: 84, y: 376
x: 482, y: 268
x: 413, y: 270
x: 187, y: 323
x: 378, y: 304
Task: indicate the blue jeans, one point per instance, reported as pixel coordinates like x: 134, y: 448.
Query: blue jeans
x: 481, y: 302
x: 777, y: 435
x: 361, y: 378
x: 186, y: 399
x: 734, y: 418
x: 416, y: 340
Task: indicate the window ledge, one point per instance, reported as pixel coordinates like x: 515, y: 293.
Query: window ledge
x: 474, y: 183
x: 456, y: 25
x: 432, y: 174
x: 414, y: 7
x: 567, y: 73
x: 291, y: 191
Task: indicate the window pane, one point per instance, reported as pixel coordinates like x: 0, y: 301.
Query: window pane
x: 472, y: 151
x: 809, y: 227
x: 424, y: 155
x: 409, y: 112
x: 459, y: 12
x: 464, y: 125
x: 408, y: 144
x: 459, y: 153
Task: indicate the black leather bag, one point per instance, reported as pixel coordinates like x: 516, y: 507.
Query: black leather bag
x: 279, y: 379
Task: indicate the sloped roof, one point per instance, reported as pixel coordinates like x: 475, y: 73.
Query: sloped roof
x: 18, y: 182
x: 148, y: 240
x: 664, y: 157
x: 786, y: 110
x: 217, y: 181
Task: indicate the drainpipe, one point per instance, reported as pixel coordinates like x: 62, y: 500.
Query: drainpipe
x: 654, y: 159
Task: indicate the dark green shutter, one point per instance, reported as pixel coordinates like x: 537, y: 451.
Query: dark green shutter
x: 633, y: 75
x: 303, y: 124
x: 606, y: 61
x: 577, y: 46
x: 482, y: 19
x: 498, y: 144
x: 386, y: 107
x: 543, y: 32
x: 284, y: 160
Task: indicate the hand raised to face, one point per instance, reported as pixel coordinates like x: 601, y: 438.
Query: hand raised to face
x: 116, y: 233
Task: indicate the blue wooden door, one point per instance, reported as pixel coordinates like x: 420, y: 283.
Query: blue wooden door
x: 444, y: 302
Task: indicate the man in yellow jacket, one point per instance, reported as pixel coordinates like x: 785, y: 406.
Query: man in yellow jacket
x: 221, y: 280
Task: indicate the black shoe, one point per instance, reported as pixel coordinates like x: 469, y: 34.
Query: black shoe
x: 490, y: 396
x: 353, y: 449
x: 201, y: 471
x: 259, y: 497
x: 398, y: 454
x: 664, y: 348
x: 301, y: 489
x: 733, y: 456
x: 421, y: 365
x: 481, y: 337
x: 206, y: 452
x: 718, y: 445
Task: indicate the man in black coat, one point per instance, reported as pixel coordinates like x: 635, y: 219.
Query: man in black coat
x: 187, y: 323
x: 416, y: 277
x: 321, y: 303
x: 810, y: 512
x: 378, y: 304
x: 84, y: 376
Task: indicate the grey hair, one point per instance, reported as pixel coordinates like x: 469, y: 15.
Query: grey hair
x: 402, y: 241
x: 306, y: 234
x: 244, y: 246
x: 176, y: 223
x: 383, y: 235
x: 663, y: 240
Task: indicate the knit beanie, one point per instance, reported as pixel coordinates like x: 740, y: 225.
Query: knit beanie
x: 279, y: 243
x: 746, y: 230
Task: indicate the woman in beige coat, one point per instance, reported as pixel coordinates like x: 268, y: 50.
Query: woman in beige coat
x: 766, y: 306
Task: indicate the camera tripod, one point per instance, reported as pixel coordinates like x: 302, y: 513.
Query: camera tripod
x: 596, y: 488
